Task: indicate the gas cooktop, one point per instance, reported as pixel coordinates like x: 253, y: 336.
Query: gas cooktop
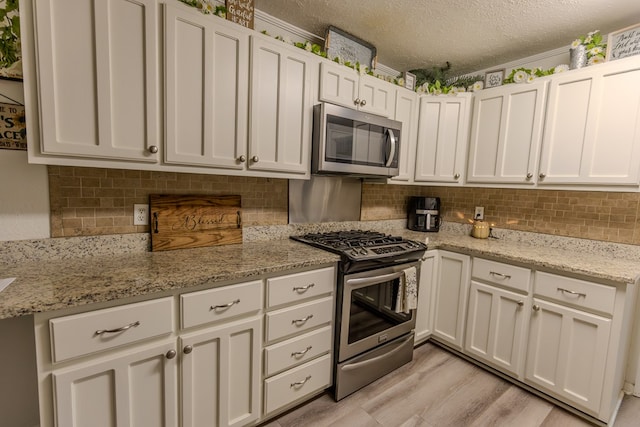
x: 357, y: 245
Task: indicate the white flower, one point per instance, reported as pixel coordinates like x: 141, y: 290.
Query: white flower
x: 308, y: 46
x: 389, y: 79
x: 520, y: 76
x: 561, y: 68
x: 401, y: 81
x: 597, y: 50
x: 598, y: 59
x: 436, y: 91
x: 421, y: 89
x: 592, y: 33
x: 531, y: 78
x: 477, y: 86
x: 588, y: 39
x: 575, y: 43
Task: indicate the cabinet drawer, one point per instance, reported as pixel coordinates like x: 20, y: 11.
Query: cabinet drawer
x: 295, y: 351
x: 300, y: 286
x: 297, y: 383
x: 221, y: 303
x: 509, y: 276
x: 85, y: 333
x: 576, y: 292
x: 300, y: 318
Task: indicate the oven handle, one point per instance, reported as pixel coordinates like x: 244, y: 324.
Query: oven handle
x: 357, y: 365
x: 375, y: 279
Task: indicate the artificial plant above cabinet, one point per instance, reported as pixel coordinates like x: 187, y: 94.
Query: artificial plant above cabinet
x: 592, y: 126
x: 343, y: 86
x: 94, y: 82
x: 506, y: 130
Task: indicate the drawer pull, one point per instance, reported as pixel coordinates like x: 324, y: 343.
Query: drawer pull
x: 115, y: 331
x: 227, y: 305
x: 578, y: 294
x: 302, y: 321
x: 187, y: 349
x: 520, y: 303
x: 303, y: 289
x: 536, y: 307
x: 171, y: 354
x: 300, y: 383
x: 298, y: 354
x: 499, y: 275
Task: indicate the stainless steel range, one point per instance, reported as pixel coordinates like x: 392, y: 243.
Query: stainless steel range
x: 373, y: 336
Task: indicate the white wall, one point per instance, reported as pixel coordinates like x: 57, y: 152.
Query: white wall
x: 24, y: 188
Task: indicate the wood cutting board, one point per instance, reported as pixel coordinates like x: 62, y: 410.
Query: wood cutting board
x: 194, y: 221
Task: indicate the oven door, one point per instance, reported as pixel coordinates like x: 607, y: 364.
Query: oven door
x: 367, y: 315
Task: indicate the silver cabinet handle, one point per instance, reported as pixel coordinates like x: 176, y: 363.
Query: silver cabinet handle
x: 536, y: 307
x: 567, y: 291
x: 255, y: 159
x: 542, y: 175
x: 529, y: 175
x: 242, y: 158
x: 302, y: 321
x: 216, y: 307
x: 520, y: 303
x: 115, y: 331
x: 170, y: 354
x: 363, y: 103
x: 153, y: 149
x: 303, y: 289
x: 500, y: 275
x: 187, y: 349
x: 300, y: 383
x: 357, y: 101
x: 456, y: 176
x: 298, y: 354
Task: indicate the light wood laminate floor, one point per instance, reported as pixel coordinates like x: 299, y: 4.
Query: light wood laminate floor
x: 439, y: 389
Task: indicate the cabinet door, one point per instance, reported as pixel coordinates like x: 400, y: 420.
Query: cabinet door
x: 406, y: 112
x: 450, y: 298
x: 221, y: 374
x: 98, y: 78
x: 338, y: 84
x: 495, y: 327
x: 592, y: 128
x: 567, y: 353
x: 442, y: 139
x: 206, y: 69
x: 506, y: 131
x: 281, y: 107
x: 137, y: 388
x: 424, y: 313
x: 376, y: 96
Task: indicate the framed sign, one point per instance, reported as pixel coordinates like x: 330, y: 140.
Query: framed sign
x: 623, y: 43
x: 493, y: 78
x: 241, y: 12
x: 338, y: 43
x: 13, y: 132
x: 409, y: 80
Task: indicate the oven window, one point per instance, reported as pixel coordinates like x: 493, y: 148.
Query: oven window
x: 372, y: 310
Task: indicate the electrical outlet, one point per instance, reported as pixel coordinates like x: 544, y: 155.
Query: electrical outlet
x: 140, y: 214
x: 479, y: 214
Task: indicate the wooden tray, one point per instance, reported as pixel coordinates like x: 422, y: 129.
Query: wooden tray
x: 194, y: 221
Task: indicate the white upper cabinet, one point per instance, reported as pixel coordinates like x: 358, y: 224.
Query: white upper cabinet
x: 207, y: 75
x: 343, y: 86
x: 97, y: 77
x: 443, y: 127
x: 406, y: 112
x: 592, y: 126
x: 283, y: 84
x: 506, y: 131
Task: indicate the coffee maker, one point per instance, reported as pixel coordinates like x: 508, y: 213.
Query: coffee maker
x: 424, y: 214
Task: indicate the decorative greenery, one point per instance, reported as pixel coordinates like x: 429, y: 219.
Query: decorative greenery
x: 594, y: 45
x: 436, y: 81
x: 526, y: 75
x: 9, y: 34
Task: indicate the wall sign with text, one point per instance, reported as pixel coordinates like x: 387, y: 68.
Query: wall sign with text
x: 623, y: 43
x: 241, y: 12
x: 13, y: 132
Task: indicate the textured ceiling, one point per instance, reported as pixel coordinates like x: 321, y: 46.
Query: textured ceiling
x: 470, y: 34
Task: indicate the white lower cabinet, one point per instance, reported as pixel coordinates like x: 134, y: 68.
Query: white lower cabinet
x: 136, y: 388
x: 221, y: 374
x: 424, y: 312
x: 450, y: 298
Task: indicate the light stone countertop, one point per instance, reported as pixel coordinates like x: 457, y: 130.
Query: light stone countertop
x: 51, y: 276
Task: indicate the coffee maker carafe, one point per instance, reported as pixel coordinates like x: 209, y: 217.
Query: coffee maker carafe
x: 424, y: 214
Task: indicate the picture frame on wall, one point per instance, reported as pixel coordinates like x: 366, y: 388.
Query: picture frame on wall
x: 409, y: 80
x: 493, y: 78
x: 623, y: 43
x: 339, y: 43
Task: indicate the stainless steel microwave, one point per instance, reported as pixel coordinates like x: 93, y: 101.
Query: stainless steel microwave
x: 351, y: 142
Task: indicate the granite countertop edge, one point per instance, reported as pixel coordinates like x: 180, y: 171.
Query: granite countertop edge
x: 54, y: 284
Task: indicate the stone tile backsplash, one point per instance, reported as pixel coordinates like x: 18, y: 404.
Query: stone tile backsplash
x: 92, y: 201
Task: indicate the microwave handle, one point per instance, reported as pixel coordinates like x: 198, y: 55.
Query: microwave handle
x: 394, y: 141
